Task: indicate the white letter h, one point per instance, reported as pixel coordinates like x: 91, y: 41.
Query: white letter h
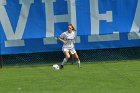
x: 51, y: 19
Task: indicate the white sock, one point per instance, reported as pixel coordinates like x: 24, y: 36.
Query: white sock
x: 64, y: 61
x: 78, y: 63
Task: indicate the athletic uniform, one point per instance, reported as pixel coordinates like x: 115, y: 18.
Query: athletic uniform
x: 69, y: 37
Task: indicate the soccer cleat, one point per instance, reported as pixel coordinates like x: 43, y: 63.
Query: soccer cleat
x: 61, y: 66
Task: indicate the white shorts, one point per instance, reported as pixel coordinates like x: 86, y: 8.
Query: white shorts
x: 72, y: 51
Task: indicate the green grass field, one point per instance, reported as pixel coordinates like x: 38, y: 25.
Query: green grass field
x: 105, y: 77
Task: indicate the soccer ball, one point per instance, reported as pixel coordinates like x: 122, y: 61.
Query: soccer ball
x: 55, y: 67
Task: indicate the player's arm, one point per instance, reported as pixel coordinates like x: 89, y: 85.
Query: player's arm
x: 60, y: 38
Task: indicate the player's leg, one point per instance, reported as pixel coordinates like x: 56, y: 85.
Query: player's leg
x: 67, y: 56
x: 75, y: 56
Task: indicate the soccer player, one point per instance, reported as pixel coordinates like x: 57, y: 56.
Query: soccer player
x: 67, y: 38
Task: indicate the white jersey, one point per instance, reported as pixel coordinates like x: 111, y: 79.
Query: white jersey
x: 69, y: 37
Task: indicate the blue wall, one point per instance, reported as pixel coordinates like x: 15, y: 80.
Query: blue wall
x: 26, y: 25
